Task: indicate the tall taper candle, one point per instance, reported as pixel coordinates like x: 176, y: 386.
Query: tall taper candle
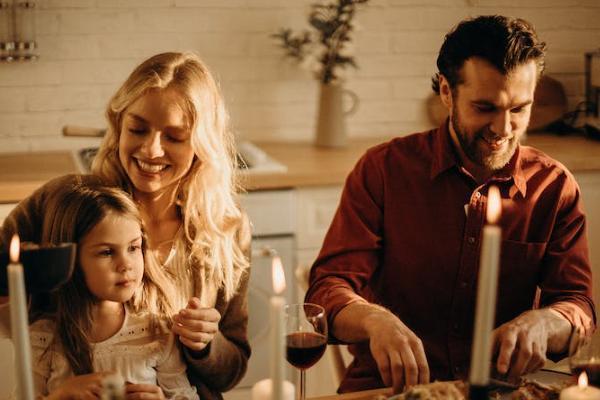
x: 481, y: 350
x: 277, y: 329
x: 19, y: 323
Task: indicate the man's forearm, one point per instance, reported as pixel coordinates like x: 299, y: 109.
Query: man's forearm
x: 351, y: 325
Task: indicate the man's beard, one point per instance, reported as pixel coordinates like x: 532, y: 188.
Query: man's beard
x: 492, y: 161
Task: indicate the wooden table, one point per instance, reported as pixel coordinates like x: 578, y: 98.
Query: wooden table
x: 364, y: 395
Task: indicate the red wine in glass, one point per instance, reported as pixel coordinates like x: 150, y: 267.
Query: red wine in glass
x: 304, y: 349
x: 306, y: 338
x: 592, y: 369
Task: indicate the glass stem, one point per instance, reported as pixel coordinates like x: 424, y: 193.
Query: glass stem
x: 302, y: 392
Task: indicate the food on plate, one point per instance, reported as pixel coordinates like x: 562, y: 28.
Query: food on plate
x: 529, y: 389
x: 451, y: 390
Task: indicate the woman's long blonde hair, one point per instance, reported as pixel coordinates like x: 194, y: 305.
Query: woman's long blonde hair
x: 215, y: 229
x: 72, y: 212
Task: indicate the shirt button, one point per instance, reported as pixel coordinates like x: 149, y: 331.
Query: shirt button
x: 471, y: 239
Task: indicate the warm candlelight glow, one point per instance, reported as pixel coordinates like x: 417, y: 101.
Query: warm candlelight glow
x: 14, y: 249
x: 278, y: 275
x: 582, y: 381
x: 493, y: 206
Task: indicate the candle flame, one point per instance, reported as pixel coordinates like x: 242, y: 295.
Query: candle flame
x: 494, y: 205
x: 582, y: 381
x: 14, y: 249
x: 278, y: 275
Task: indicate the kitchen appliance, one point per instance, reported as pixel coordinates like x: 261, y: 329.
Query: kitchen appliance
x: 271, y: 213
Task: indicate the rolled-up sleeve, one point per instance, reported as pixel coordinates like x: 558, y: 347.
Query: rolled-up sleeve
x: 351, y: 250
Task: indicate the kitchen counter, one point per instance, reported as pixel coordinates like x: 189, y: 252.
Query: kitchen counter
x: 22, y: 173
x: 313, y: 166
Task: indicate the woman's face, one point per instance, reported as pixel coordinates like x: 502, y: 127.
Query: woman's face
x: 155, y: 143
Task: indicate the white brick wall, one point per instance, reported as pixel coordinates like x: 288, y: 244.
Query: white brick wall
x: 87, y: 48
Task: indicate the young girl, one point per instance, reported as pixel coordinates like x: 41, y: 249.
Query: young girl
x: 109, y: 318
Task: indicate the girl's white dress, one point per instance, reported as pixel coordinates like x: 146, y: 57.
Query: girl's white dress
x: 133, y: 352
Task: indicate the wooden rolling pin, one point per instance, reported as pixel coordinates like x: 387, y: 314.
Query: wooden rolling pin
x: 82, y: 131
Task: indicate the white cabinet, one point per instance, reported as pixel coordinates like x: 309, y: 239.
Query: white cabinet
x: 314, y: 210
x: 315, y: 207
x: 5, y: 209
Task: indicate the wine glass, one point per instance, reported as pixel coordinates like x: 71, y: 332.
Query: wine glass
x: 584, y: 355
x: 305, y: 338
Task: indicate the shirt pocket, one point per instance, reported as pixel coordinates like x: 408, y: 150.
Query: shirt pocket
x: 519, y: 275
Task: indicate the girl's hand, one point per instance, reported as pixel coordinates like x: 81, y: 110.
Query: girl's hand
x: 143, y: 391
x: 195, y: 325
x: 82, y: 387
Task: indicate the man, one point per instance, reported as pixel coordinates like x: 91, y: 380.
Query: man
x: 397, y: 273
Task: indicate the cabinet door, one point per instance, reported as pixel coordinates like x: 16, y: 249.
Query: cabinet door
x: 5, y: 209
x: 315, y: 209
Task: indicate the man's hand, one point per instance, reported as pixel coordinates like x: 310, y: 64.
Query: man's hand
x: 398, y: 352
x: 521, y: 344
x: 196, y: 326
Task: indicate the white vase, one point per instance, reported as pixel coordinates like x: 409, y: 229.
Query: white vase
x: 331, y: 115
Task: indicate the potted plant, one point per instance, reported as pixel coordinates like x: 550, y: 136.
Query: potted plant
x: 326, y: 51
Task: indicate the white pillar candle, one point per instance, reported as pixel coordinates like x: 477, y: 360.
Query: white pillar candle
x: 580, y: 392
x: 277, y: 329
x: 262, y: 390
x: 19, y: 323
x: 481, y: 350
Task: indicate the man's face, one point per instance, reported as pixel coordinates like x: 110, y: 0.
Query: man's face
x: 489, y: 111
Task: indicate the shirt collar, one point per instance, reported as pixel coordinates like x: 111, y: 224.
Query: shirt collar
x: 445, y: 157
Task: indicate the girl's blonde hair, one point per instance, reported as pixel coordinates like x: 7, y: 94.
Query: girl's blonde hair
x: 213, y: 223
x: 71, y: 214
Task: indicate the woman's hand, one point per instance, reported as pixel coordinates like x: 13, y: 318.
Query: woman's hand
x: 195, y: 325
x: 143, y: 391
x: 82, y: 387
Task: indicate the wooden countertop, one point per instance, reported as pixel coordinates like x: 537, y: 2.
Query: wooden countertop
x: 22, y: 173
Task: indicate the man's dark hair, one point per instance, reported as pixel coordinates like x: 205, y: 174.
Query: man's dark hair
x: 504, y: 42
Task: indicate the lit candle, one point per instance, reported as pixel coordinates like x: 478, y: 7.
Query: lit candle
x: 262, y: 389
x: 19, y: 323
x: 277, y: 329
x: 481, y: 350
x: 582, y: 391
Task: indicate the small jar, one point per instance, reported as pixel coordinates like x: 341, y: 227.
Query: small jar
x: 7, y: 44
x: 25, y: 30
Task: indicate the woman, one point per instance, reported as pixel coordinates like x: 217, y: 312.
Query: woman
x: 168, y: 145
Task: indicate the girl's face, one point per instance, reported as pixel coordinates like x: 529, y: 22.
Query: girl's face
x: 155, y: 142
x: 111, y: 258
